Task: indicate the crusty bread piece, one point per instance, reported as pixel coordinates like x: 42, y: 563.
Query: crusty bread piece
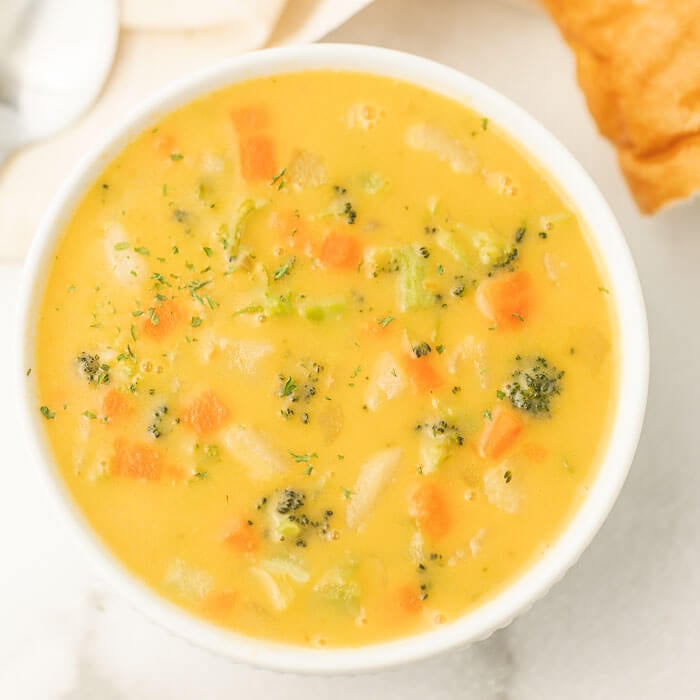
x: 638, y: 64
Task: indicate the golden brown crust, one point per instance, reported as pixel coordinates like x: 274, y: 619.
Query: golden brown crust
x: 639, y: 67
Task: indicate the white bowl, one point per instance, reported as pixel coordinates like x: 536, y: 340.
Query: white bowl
x: 633, y: 349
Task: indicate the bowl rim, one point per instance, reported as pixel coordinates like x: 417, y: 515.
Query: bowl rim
x: 628, y: 306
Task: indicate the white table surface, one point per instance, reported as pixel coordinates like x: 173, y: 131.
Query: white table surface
x: 622, y: 624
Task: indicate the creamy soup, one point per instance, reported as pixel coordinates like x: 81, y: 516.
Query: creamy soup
x: 325, y: 359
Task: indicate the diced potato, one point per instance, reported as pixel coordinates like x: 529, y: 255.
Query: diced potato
x: 213, y: 163
x: 279, y: 593
x: 284, y: 566
x: 451, y: 245
x: 243, y: 355
x: 447, y: 148
x: 255, y: 452
x: 331, y: 420
x: 387, y: 381
x: 306, y: 170
x: 190, y: 583
x: 475, y: 543
x: 363, y: 116
x: 468, y: 350
x: 553, y: 266
x: 432, y: 452
x: 490, y: 251
x: 503, y: 491
x: 499, y: 182
x: 374, y: 476
x: 379, y: 259
x: 415, y: 548
x: 126, y: 264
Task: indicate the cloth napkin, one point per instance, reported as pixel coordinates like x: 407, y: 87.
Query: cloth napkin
x: 160, y: 40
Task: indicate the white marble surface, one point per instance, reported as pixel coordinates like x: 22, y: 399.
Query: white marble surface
x: 622, y: 624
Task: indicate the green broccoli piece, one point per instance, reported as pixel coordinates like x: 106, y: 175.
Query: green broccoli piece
x: 532, y: 387
x: 93, y: 370
x: 289, y: 500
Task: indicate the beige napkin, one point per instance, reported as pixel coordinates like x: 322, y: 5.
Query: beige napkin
x: 160, y: 40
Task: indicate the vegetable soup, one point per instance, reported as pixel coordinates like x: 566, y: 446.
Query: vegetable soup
x: 325, y: 359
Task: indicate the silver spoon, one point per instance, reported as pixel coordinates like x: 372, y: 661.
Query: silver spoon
x: 54, y: 58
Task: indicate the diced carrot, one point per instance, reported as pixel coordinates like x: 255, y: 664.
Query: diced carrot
x: 258, y: 161
x: 379, y: 328
x: 408, y: 599
x: 136, y: 461
x: 162, y: 320
x: 250, y: 118
x: 340, y: 251
x: 241, y: 536
x: 219, y: 604
x: 116, y: 404
x: 206, y: 414
x: 423, y: 375
x: 535, y: 451
x: 164, y: 144
x: 427, y: 505
x: 499, y: 433
x: 506, y: 299
x: 173, y: 472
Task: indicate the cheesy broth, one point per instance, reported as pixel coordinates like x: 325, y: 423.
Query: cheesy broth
x: 325, y: 359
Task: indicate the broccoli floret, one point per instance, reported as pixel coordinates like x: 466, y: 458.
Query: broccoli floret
x: 349, y: 213
x: 439, y: 440
x: 422, y: 349
x: 508, y: 257
x: 95, y: 372
x: 442, y: 430
x: 289, y: 500
x: 158, y: 415
x: 531, y: 388
x: 300, y: 390
x: 288, y: 522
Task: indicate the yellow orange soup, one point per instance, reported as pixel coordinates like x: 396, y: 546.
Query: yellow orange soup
x: 325, y: 359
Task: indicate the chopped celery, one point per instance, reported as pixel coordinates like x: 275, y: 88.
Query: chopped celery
x: 273, y: 305
x: 287, y: 529
x: 324, y: 310
x: 337, y: 586
x: 250, y: 309
x: 412, y: 273
x: 412, y: 269
x: 451, y: 245
x: 278, y: 305
x: 230, y: 236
